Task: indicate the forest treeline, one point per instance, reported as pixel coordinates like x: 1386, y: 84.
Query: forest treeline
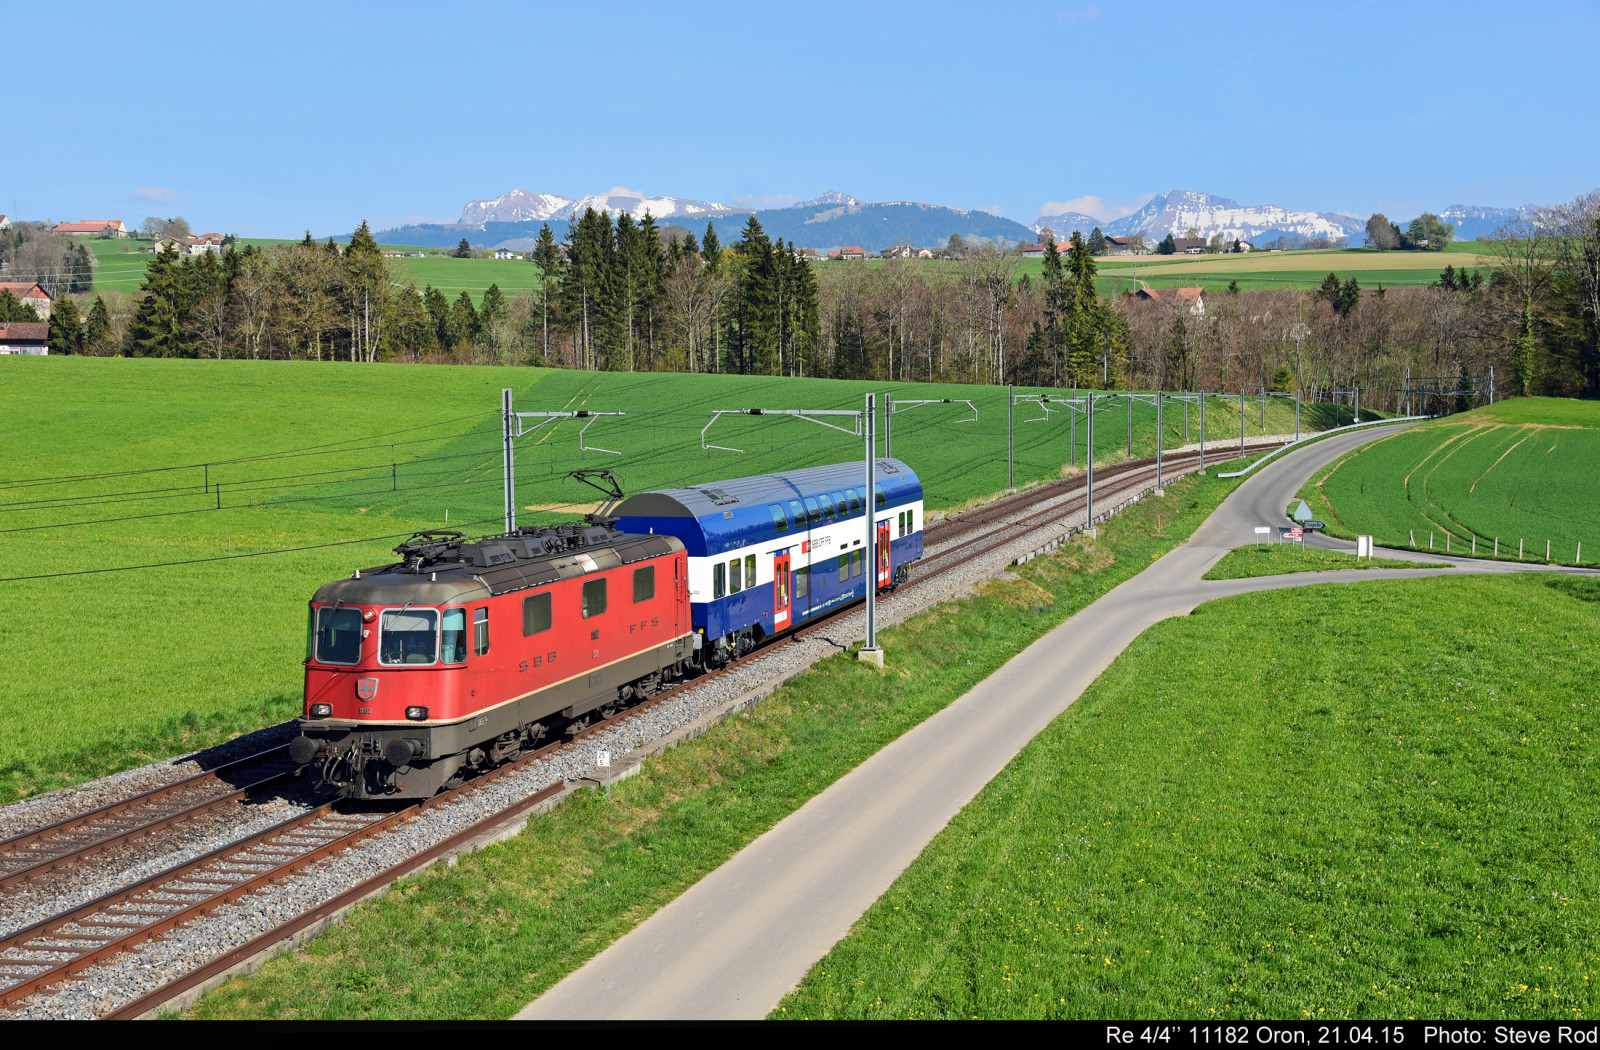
x: 614, y: 296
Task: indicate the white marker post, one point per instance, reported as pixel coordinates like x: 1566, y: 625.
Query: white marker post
x: 602, y: 759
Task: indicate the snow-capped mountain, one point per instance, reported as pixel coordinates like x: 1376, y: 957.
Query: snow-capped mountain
x: 1180, y: 210
x: 522, y: 206
x: 830, y: 197
x: 1473, y: 221
x: 1064, y: 223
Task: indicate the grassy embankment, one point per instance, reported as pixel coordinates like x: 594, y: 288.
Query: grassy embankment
x: 486, y: 936
x: 1275, y: 559
x: 146, y: 664
x: 1520, y: 470
x: 1361, y: 800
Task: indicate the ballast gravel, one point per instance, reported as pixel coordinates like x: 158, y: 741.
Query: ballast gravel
x: 139, y: 972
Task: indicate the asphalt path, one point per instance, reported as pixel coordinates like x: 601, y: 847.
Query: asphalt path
x: 740, y: 939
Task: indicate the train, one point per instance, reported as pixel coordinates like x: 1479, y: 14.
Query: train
x: 467, y: 652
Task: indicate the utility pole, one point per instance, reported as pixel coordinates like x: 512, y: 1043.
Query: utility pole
x: 1241, y: 420
x: 1011, y: 441
x: 1088, y: 520
x: 870, y: 651
x: 1297, y: 413
x: 1202, y: 431
x: 1130, y: 424
x: 1159, y: 486
x: 507, y: 419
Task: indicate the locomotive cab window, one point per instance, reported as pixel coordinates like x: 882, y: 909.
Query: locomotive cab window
x: 453, y: 637
x: 644, y: 583
x: 594, y: 598
x: 338, y: 636
x: 480, y: 632
x: 409, y: 636
x: 536, y: 614
x: 780, y: 520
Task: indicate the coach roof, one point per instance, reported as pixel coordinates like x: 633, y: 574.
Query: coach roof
x: 714, y: 498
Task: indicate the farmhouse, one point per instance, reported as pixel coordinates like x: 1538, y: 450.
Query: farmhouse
x: 88, y: 227
x: 850, y: 252
x: 1125, y: 246
x: 1180, y: 297
x: 23, y: 337
x: 5, y: 222
x: 1189, y: 245
x: 505, y: 253
x: 30, y: 295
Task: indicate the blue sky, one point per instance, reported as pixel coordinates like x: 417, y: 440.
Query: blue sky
x: 267, y: 119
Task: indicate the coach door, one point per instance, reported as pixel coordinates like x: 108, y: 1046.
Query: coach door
x: 883, y: 554
x: 780, y: 590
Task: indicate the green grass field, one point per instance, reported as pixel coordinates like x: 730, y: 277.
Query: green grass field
x: 1358, y: 800
x: 1275, y: 559
x: 142, y: 664
x: 1522, y: 470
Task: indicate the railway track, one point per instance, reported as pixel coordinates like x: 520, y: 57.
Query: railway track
x: 48, y: 952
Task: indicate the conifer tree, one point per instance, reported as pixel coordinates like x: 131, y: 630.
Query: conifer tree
x: 97, y: 332
x: 66, y: 332
x: 548, y: 258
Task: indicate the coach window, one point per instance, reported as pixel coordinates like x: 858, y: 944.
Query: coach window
x: 536, y: 614
x: 827, y: 506
x: 844, y: 568
x: 338, y: 635
x: 856, y: 503
x: 453, y: 637
x: 735, y: 577
x: 883, y: 497
x: 749, y: 570
x: 594, y: 598
x: 802, y: 583
x: 856, y: 558
x: 901, y: 520
x: 780, y: 521
x: 797, y: 512
x: 813, y: 512
x: 480, y: 632
x: 719, y: 580
x: 409, y: 636
x: 842, y: 502
x: 644, y: 584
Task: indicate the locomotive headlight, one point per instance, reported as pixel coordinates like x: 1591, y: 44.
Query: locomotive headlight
x: 321, y: 710
x: 417, y: 714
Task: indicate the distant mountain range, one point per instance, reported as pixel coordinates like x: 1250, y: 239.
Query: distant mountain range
x: 831, y: 220
x: 835, y: 219
x: 1183, y: 210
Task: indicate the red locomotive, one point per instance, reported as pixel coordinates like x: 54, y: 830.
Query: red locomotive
x: 465, y: 652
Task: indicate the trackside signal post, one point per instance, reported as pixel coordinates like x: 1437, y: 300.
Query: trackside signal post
x: 511, y: 428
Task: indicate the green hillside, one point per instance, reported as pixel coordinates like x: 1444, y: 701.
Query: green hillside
x: 1523, y: 470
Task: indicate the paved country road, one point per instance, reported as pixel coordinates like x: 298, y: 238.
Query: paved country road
x: 739, y: 940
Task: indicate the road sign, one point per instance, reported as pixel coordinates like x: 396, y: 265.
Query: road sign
x: 1314, y: 525
x: 1291, y: 535
x: 1302, y: 512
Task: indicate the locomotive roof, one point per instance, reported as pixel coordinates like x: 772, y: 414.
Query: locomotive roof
x: 449, y: 568
x: 716, y: 498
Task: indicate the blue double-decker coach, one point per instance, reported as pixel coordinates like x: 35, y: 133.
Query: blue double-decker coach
x: 770, y: 552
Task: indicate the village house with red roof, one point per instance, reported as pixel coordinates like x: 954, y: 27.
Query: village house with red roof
x: 1181, y: 297
x: 89, y: 227
x: 30, y: 294
x: 24, y: 337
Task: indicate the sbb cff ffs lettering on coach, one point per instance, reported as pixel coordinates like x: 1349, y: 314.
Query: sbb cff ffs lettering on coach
x: 464, y: 653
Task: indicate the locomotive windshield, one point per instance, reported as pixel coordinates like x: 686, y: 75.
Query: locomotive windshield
x: 409, y: 636
x: 338, y: 635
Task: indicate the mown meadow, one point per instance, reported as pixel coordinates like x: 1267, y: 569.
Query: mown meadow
x: 1359, y: 800
x: 188, y: 465
x: 1523, y: 470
